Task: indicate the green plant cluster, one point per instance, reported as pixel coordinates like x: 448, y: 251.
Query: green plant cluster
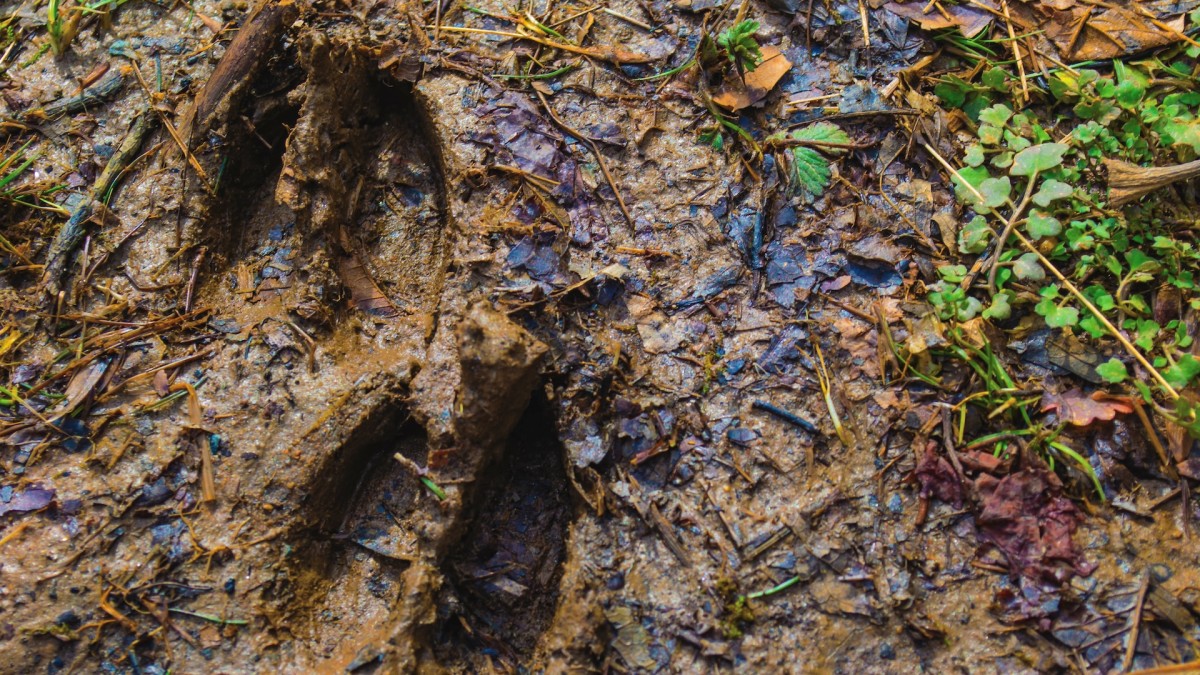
x: 1037, y: 176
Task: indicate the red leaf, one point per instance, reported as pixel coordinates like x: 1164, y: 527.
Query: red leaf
x: 1081, y: 410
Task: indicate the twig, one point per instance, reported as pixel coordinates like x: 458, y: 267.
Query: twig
x: 1013, y: 218
x: 628, y: 19
x: 595, y: 152
x: 1133, y: 351
x: 191, y: 284
x: 954, y: 172
x: 787, y: 416
x: 1135, y: 625
x: 1012, y: 36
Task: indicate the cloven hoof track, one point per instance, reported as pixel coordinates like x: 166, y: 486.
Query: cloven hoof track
x: 335, y: 197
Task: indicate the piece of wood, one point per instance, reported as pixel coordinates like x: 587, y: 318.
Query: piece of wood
x: 1129, y: 182
x: 243, y: 59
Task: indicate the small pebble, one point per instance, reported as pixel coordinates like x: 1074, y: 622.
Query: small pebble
x: 1160, y: 573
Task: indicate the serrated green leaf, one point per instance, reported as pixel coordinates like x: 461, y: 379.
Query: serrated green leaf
x: 810, y: 171
x: 1038, y: 158
x: 824, y: 132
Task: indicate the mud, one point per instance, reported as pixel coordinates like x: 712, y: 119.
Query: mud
x: 373, y: 278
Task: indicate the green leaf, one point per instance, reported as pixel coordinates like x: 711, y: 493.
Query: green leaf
x: 1112, y: 371
x: 997, y: 115
x: 1000, y: 308
x: 952, y: 273
x: 1056, y: 317
x: 974, y: 236
x: 1002, y: 160
x: 1183, y: 372
x: 824, y: 132
x: 1040, y: 224
x: 995, y: 79
x: 1028, y: 268
x: 974, y: 155
x: 995, y: 191
x: 810, y: 171
x: 740, y: 46
x: 968, y: 309
x: 1062, y: 316
x: 953, y: 93
x: 1038, y: 158
x: 1129, y: 95
x: 971, y: 176
x: 990, y: 135
x: 1050, y: 191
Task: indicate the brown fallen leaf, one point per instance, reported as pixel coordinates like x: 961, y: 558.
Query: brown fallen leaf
x: 364, y: 292
x: 736, y: 94
x: 1079, y: 409
x: 80, y: 387
x: 969, y: 21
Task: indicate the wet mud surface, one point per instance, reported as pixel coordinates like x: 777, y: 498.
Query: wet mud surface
x: 353, y: 264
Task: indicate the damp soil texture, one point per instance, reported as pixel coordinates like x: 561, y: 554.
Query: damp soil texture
x: 436, y: 337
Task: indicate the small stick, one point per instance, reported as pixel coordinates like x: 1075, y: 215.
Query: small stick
x: 862, y: 15
x: 786, y: 416
x: 191, y: 284
x: 1135, y: 625
x: 628, y: 19
x: 1012, y: 36
x: 595, y: 152
x: 71, y: 234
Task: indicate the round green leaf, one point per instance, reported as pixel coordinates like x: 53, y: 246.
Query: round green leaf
x: 974, y: 236
x: 995, y: 191
x: 996, y: 115
x: 1028, y: 268
x: 1040, y: 224
x: 1038, y: 158
x: 974, y: 155
x: 1051, y: 190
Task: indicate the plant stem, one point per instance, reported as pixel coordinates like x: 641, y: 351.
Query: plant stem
x: 1133, y: 351
x: 772, y: 591
x: 1011, y: 223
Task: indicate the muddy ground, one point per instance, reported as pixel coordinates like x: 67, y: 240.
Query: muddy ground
x: 375, y: 246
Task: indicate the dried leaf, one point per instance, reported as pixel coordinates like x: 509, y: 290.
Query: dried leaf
x: 1027, y: 518
x: 32, y: 499
x: 80, y: 387
x: 1081, y: 410
x: 970, y: 21
x: 364, y: 292
x: 736, y: 95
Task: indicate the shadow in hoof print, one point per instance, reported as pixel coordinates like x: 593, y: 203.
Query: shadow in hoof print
x: 328, y: 234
